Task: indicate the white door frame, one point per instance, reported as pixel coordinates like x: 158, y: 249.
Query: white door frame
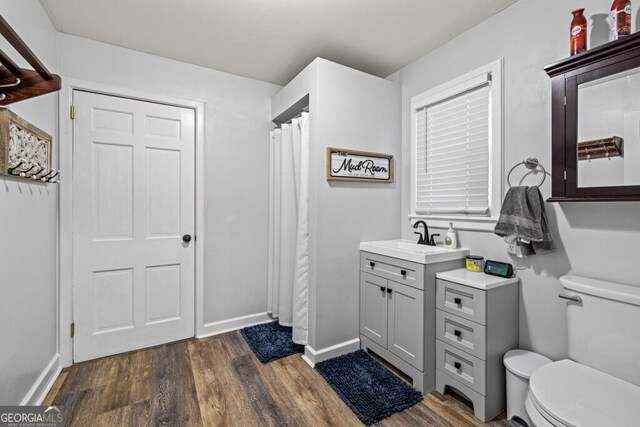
x: 65, y: 283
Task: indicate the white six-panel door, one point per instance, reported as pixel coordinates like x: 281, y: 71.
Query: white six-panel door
x: 133, y: 196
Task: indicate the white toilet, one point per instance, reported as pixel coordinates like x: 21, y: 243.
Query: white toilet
x: 600, y: 385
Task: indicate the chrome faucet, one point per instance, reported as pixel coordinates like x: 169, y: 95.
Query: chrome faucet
x: 424, y: 239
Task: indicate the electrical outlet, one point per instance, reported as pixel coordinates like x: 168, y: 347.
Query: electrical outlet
x: 512, y: 248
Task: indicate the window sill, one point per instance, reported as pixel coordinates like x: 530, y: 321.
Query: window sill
x: 484, y: 224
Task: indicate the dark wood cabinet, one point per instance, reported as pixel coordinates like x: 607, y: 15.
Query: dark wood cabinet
x: 596, y: 124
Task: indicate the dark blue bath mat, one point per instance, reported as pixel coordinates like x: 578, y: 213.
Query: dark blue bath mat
x: 270, y: 341
x: 371, y: 391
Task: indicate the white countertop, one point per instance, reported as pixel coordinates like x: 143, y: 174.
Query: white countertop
x: 411, y: 251
x: 474, y: 279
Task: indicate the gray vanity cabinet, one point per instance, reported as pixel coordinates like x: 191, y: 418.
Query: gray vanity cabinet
x: 397, y: 313
x: 476, y: 324
x: 391, y: 315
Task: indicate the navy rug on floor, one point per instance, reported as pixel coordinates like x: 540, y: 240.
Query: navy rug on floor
x: 270, y: 341
x: 371, y: 391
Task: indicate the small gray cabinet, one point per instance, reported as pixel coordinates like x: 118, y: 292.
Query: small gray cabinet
x: 397, y: 313
x: 476, y: 324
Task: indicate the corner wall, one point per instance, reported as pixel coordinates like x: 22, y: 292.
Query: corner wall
x: 28, y: 234
x: 594, y: 239
x: 357, y: 111
x: 352, y: 110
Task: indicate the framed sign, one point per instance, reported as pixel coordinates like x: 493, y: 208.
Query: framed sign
x: 351, y: 165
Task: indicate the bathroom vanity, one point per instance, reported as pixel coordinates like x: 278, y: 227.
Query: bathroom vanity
x: 476, y: 324
x: 398, y: 301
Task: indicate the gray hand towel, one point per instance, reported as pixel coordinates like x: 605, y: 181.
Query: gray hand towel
x: 524, y: 218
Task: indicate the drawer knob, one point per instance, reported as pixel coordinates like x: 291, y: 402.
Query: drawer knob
x: 403, y: 272
x: 389, y: 290
x: 457, y: 333
x: 457, y: 365
x: 372, y: 264
x: 457, y: 300
x: 383, y: 289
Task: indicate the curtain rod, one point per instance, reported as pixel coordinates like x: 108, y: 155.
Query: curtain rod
x: 304, y: 110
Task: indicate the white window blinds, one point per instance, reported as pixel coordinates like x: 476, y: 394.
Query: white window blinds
x: 452, y: 153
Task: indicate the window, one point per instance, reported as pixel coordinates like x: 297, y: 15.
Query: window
x: 457, y: 150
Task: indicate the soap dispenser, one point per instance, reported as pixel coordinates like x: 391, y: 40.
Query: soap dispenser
x: 451, y: 238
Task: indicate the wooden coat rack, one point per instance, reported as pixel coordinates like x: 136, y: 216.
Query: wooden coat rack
x: 17, y: 84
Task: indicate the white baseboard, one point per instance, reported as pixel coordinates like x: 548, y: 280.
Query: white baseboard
x: 312, y: 356
x: 43, y: 384
x: 216, y: 328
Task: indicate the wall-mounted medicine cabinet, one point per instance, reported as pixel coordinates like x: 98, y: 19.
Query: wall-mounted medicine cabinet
x: 596, y: 124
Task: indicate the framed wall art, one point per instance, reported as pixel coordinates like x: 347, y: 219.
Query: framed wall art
x: 25, y: 150
x: 352, y: 165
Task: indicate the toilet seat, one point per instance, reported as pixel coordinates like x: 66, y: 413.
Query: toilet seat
x: 566, y: 393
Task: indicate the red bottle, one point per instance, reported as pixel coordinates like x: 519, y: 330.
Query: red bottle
x: 620, y: 19
x: 578, y: 32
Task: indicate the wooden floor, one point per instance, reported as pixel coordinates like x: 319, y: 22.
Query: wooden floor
x: 218, y: 381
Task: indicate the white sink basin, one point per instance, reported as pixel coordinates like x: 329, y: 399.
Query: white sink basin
x: 411, y: 251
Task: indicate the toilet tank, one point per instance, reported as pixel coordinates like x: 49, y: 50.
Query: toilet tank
x: 604, y: 329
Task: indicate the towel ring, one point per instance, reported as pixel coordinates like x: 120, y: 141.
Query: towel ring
x: 530, y: 163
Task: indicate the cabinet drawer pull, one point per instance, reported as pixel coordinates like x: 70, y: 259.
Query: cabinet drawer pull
x: 372, y: 264
x: 457, y: 300
x: 403, y: 272
x: 457, y: 365
x: 457, y: 333
x: 389, y: 290
x: 383, y: 289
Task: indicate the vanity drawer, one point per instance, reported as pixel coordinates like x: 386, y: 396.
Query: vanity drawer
x: 467, y: 369
x: 463, y: 301
x: 406, y: 272
x: 463, y: 334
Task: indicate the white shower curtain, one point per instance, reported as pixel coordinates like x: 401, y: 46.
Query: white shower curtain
x: 288, y: 275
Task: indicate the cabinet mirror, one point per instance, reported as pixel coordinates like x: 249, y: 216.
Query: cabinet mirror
x: 596, y: 124
x: 608, y: 148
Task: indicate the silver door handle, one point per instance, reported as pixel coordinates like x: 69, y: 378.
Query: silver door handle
x: 575, y: 298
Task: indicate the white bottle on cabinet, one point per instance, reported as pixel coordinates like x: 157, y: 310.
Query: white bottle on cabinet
x: 451, y: 238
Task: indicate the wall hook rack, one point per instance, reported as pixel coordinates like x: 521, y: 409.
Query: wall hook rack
x: 16, y: 83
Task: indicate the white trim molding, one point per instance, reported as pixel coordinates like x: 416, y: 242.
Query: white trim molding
x: 228, y: 325
x: 43, y: 383
x: 65, y: 345
x: 312, y: 356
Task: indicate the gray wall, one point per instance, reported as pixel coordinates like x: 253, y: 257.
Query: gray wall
x: 360, y: 112
x: 594, y: 239
x: 237, y: 120
x: 353, y: 110
x: 28, y: 230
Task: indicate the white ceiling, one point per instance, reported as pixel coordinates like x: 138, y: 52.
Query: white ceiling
x: 272, y: 40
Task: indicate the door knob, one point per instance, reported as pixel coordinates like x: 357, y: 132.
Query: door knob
x: 389, y: 290
x: 186, y: 238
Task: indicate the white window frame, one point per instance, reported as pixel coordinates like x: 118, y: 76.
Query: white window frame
x: 458, y: 86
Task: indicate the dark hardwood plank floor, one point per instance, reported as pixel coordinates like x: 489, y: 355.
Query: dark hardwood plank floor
x: 218, y: 381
